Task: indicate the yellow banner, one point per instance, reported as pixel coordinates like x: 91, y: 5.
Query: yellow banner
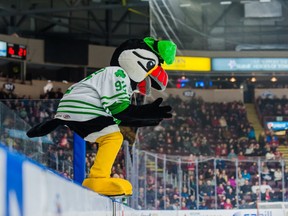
x: 183, y: 63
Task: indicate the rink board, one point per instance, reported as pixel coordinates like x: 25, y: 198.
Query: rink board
x: 29, y: 189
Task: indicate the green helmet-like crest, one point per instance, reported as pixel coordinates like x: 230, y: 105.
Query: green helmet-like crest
x: 164, y: 48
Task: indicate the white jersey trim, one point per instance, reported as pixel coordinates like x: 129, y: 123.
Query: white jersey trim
x: 95, y: 135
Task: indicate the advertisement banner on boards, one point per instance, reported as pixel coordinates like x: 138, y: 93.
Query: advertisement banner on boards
x: 2, y: 181
x: 216, y: 212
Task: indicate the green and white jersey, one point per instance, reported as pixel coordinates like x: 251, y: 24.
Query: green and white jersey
x: 103, y: 93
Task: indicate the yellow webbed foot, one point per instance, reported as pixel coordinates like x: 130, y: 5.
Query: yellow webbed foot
x: 109, y: 186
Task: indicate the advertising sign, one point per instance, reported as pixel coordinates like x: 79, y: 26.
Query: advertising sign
x: 277, y: 126
x: 184, y: 63
x: 250, y: 64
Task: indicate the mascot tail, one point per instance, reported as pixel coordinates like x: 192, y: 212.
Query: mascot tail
x: 44, y: 128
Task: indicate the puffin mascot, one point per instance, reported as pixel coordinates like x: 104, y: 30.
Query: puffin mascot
x: 96, y: 106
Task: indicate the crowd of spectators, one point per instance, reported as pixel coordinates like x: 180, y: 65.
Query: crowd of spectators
x: 198, y: 130
x: 220, y: 131
x: 226, y: 186
x: 204, y: 128
x: 271, y: 105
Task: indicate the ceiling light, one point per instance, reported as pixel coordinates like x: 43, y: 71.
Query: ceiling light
x: 233, y: 79
x: 185, y: 5
x: 246, y: 1
x: 225, y: 2
x: 253, y: 79
x: 265, y: 0
x: 273, y: 79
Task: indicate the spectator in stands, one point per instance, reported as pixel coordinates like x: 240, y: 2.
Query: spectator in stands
x: 191, y: 164
x: 232, y: 181
x: 278, y: 154
x: 257, y: 150
x: 194, y: 149
x: 256, y: 196
x: 250, y: 150
x: 232, y: 155
x: 241, y: 180
x: 265, y: 186
x: 262, y: 139
x: 192, y: 184
x: 274, y: 142
x: 286, y: 177
x: 150, y: 195
x: 220, y: 179
x: 220, y: 190
x: 267, y: 196
x: 246, y: 188
x: 208, y: 189
x: 246, y: 175
x: 58, y: 94
x: 228, y: 204
x: 221, y: 201
x: 201, y: 188
x: 64, y: 143
x: 278, y: 176
x: 183, y: 206
x: 203, y: 206
x: 209, y: 174
x: 231, y: 195
x: 251, y: 133
x: 220, y: 164
x: 241, y: 155
x: 224, y: 175
x: 218, y: 150
x: 224, y: 150
x: 47, y: 88
x: 266, y: 173
x: 222, y: 122
x: 191, y: 203
x: 244, y: 204
x: 253, y: 169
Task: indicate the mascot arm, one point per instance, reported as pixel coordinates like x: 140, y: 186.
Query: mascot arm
x: 44, y: 128
x: 152, y: 111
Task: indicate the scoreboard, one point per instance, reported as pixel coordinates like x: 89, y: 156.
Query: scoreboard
x: 13, y: 51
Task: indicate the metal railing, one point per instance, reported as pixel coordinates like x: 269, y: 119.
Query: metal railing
x: 175, y: 182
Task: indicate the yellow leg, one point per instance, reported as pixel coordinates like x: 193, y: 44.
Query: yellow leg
x: 99, y: 179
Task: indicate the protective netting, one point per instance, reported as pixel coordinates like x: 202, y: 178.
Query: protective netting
x: 182, y: 22
x: 218, y: 25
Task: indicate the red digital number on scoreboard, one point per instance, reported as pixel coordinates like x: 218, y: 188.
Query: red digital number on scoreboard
x: 11, y: 51
x: 16, y: 51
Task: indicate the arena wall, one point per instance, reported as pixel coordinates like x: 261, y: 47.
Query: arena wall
x: 279, y: 93
x: 209, y: 95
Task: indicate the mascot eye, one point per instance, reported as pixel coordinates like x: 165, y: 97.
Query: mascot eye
x: 150, y: 65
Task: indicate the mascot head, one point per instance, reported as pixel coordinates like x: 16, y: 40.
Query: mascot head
x: 142, y: 58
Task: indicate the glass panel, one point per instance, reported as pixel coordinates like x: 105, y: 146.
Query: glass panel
x: 54, y: 150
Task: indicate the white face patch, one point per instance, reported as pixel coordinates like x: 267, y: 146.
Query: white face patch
x: 137, y: 63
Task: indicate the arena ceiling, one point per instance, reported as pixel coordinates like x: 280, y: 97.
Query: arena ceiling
x: 104, y: 22
x: 198, y: 24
